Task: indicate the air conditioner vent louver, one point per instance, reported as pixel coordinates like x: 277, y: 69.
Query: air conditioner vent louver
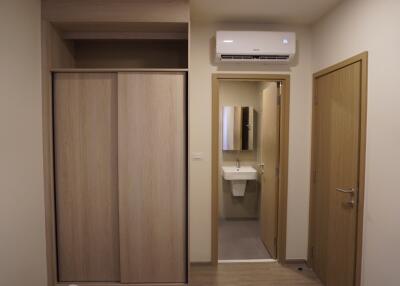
x: 255, y: 57
x: 274, y: 57
x: 255, y: 47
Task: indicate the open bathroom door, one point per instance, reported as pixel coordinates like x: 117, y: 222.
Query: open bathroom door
x: 270, y: 170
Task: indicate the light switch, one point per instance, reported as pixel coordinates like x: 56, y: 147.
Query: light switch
x: 197, y: 156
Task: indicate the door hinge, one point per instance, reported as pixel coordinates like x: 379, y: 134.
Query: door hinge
x: 275, y: 242
x: 312, y: 252
x: 279, y: 84
x: 277, y: 171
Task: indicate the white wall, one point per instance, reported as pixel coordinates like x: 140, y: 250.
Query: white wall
x: 201, y: 69
x: 22, y: 227
x: 373, y: 26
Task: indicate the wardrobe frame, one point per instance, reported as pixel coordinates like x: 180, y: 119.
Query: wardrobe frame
x: 57, y: 57
x: 51, y: 204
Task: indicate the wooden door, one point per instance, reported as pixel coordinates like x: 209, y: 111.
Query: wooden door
x: 270, y: 174
x: 336, y: 161
x: 152, y: 177
x: 86, y: 182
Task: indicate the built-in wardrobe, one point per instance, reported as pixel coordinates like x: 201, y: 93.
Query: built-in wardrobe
x: 120, y: 176
x: 115, y: 142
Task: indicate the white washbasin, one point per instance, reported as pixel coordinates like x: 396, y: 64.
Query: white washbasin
x: 232, y: 173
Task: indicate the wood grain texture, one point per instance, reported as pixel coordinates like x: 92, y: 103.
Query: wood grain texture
x: 215, y: 168
x: 124, y: 36
x: 270, y: 158
x: 363, y: 59
x: 112, y: 70
x: 117, y: 27
x: 85, y: 139
x: 55, y: 53
x: 283, y: 168
x: 89, y: 11
x: 252, y: 274
x: 152, y: 177
x: 119, y: 284
x: 336, y: 162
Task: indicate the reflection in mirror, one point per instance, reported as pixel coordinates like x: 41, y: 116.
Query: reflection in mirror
x: 238, y: 128
x: 248, y: 119
x: 231, y: 130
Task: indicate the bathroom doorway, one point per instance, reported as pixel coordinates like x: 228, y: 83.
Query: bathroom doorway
x: 249, y: 167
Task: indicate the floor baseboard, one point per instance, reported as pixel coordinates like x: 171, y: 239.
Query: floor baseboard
x: 295, y: 261
x: 247, y: 260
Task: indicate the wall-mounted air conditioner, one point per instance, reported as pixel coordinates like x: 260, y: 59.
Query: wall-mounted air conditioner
x: 255, y: 46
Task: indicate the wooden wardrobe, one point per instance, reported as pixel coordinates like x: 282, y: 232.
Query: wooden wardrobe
x: 120, y: 177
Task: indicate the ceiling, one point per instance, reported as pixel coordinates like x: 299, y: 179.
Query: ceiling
x: 260, y: 11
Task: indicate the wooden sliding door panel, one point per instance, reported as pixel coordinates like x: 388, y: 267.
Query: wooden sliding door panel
x: 86, y: 178
x: 152, y: 176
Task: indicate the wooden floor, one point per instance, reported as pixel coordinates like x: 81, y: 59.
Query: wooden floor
x: 251, y: 274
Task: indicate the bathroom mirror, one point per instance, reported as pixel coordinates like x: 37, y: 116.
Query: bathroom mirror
x: 238, y: 128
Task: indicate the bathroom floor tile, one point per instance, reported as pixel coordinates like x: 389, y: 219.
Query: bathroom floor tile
x: 240, y: 239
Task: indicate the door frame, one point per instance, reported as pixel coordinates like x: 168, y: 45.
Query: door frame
x: 363, y: 60
x: 283, y: 162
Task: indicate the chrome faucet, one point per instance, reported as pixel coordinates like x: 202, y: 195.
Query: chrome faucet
x: 237, y: 163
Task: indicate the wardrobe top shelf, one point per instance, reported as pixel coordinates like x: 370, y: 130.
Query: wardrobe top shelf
x: 66, y: 70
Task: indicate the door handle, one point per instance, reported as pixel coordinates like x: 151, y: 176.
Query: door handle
x: 350, y: 191
x: 346, y: 191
